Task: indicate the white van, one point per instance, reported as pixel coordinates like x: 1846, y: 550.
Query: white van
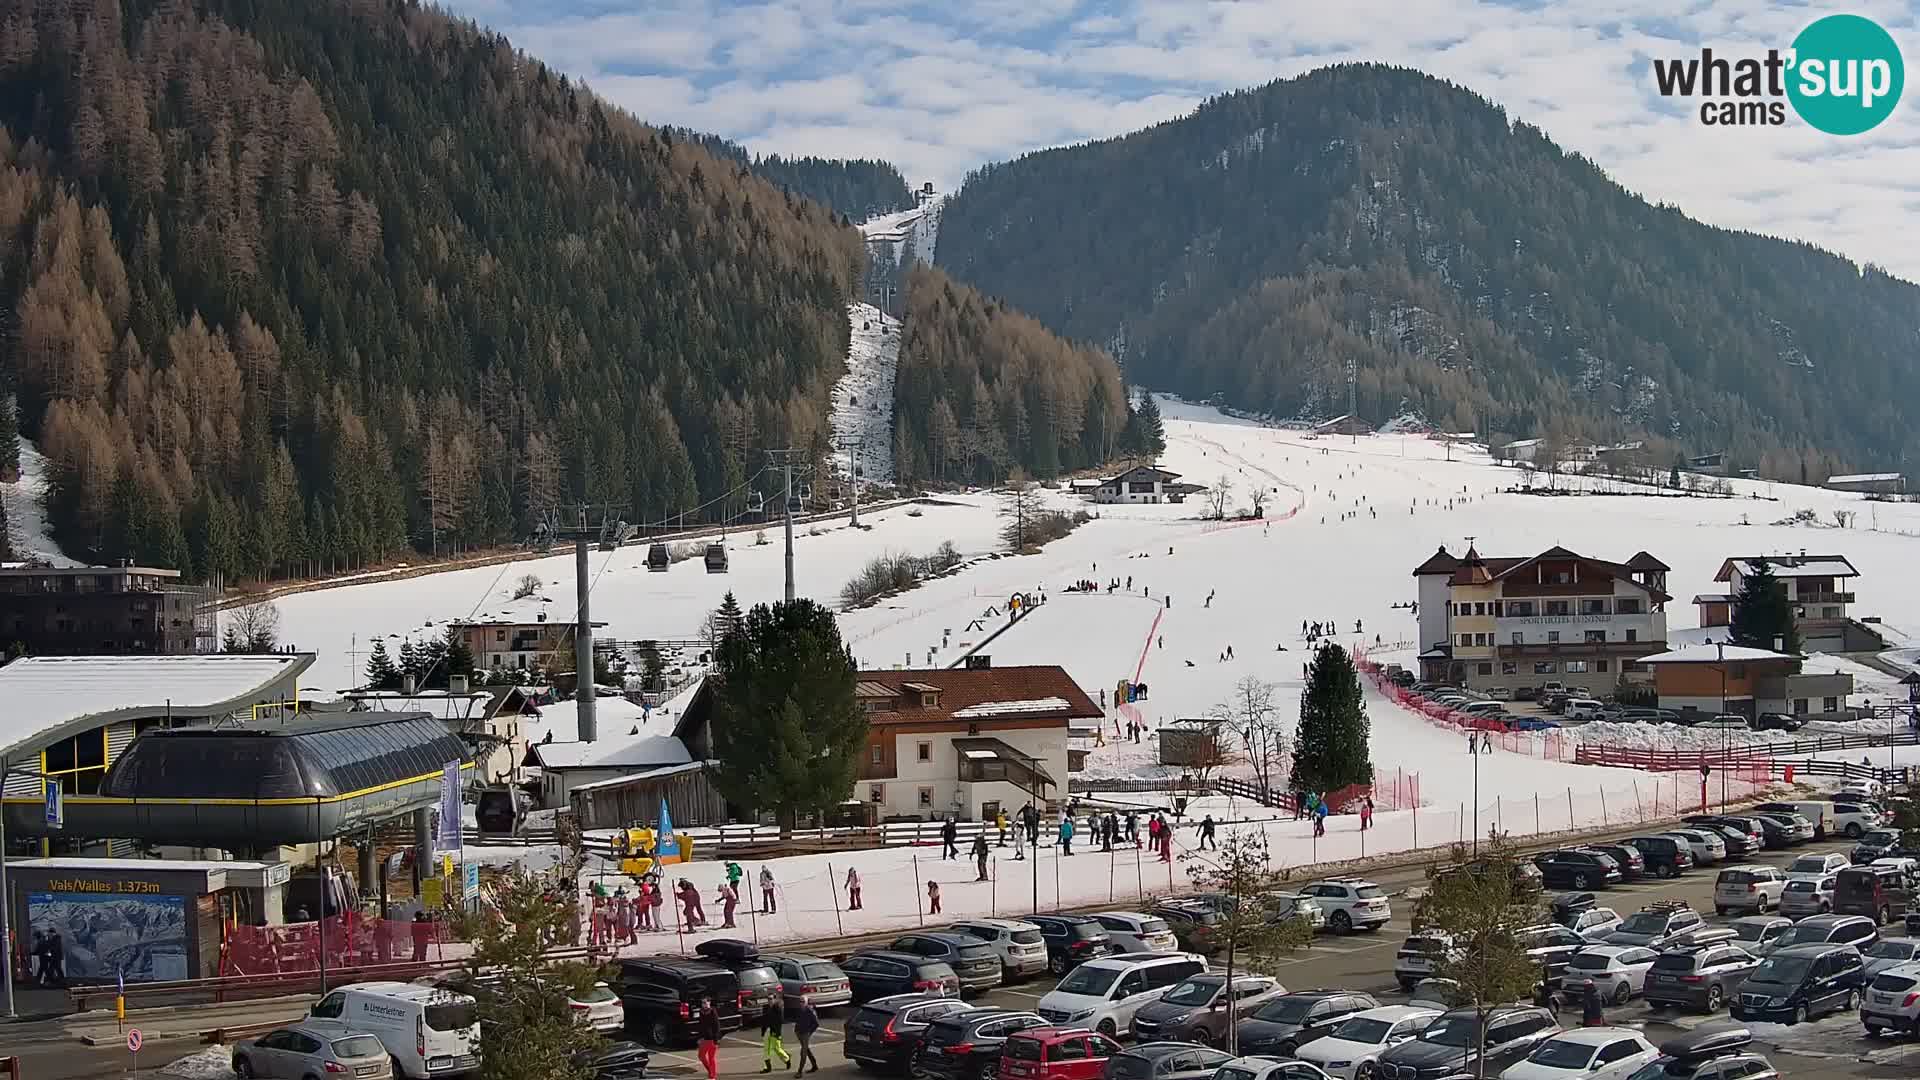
x: 430, y: 1033
x: 1104, y: 994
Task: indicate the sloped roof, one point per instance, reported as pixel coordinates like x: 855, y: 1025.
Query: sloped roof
x: 1643, y: 561
x: 1713, y: 654
x: 1474, y: 570
x: 1786, y: 566
x: 1437, y: 563
x: 1157, y: 471
x: 1044, y: 695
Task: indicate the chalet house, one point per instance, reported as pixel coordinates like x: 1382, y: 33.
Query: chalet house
x: 1142, y: 484
x: 1715, y: 679
x: 1522, y: 451
x: 1553, y: 617
x: 1343, y: 425
x: 526, y: 646
x: 1884, y: 483
x: 1818, y: 586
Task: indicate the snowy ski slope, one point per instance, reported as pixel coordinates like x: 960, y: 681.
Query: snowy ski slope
x: 863, y: 398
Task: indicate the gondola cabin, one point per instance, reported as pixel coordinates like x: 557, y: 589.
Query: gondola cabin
x: 716, y: 558
x: 657, y: 558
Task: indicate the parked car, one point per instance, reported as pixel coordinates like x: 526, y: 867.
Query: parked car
x: 1440, y: 995
x: 1855, y: 930
x: 615, y: 1061
x: 1452, y: 1044
x: 1703, y: 978
x: 1654, y: 924
x: 1632, y: 864
x: 1665, y: 855
x: 1751, y: 887
x: 1071, y: 940
x: 758, y: 983
x: 1420, y: 954
x: 1166, y: 1061
x: 1778, y: 721
x: 1723, y: 722
x: 1892, y: 1001
x: 882, y: 973
x: 1596, y: 924
x: 1830, y: 862
x: 885, y: 1032
x: 1104, y: 994
x: 976, y: 962
x: 1019, y: 945
x: 1802, y: 982
x: 1574, y: 868
x: 1549, y: 945
x: 966, y: 1045
x: 1196, y: 1010
x: 1705, y: 847
x: 1599, y: 1053
x: 305, y: 1051
x: 1889, y: 953
x: 1805, y: 896
x: 599, y: 1008
x: 1290, y: 1021
x: 1852, y: 820
x: 1350, y: 903
x: 1878, y: 890
x: 1876, y: 844
x: 662, y: 994
x: 1132, y: 931
x: 1619, y: 972
x: 1293, y: 905
x: 1352, y: 1047
x: 1192, y: 925
x: 1793, y: 829
x: 1757, y: 933
x: 824, y: 983
x: 1813, y: 810
x: 1719, y: 1054
x: 1585, y: 708
x: 1056, y: 1053
x: 1738, y: 840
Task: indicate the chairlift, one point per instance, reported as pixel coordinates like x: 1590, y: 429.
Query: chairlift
x: 756, y: 503
x: 657, y: 558
x: 716, y: 558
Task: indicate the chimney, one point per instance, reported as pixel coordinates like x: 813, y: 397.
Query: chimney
x: 456, y: 684
x: 408, y: 685
x: 540, y: 616
x: 1779, y: 643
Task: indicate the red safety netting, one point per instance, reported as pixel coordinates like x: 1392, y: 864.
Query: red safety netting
x: 351, y: 941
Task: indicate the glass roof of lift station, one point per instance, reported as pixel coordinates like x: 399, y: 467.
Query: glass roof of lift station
x: 326, y: 754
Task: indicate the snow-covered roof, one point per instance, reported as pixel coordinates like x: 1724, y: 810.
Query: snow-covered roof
x: 1001, y: 708
x: 618, y: 746
x: 1524, y: 442
x: 1864, y: 478
x: 1713, y: 654
x: 1793, y: 566
x: 48, y: 697
x: 643, y: 774
x: 615, y: 752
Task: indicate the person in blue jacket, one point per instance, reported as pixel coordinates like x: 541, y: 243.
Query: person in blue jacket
x: 1066, y: 834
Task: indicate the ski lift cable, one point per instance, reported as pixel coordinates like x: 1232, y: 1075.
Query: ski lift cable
x: 722, y: 497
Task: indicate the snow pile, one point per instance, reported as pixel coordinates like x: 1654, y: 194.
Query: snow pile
x: 213, y: 1063
x: 863, y: 398
x: 24, y: 513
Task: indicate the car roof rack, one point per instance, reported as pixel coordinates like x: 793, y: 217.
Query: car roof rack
x: 1668, y: 906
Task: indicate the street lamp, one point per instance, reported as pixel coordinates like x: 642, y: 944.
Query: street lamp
x: 1474, y: 749
x: 1720, y: 650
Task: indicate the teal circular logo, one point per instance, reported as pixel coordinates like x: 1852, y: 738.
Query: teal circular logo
x: 1847, y: 74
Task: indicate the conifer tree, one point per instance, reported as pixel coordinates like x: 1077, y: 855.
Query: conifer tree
x: 458, y: 657
x: 382, y: 673
x: 1762, y: 613
x: 1330, y: 747
x: 728, y: 618
x: 1151, y: 438
x: 411, y: 662
x: 786, y: 730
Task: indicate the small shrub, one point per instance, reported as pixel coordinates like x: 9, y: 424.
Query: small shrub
x: 528, y: 585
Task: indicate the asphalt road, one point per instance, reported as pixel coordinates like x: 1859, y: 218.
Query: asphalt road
x: 1835, y: 1047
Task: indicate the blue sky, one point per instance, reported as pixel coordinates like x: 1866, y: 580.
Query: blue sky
x: 939, y: 88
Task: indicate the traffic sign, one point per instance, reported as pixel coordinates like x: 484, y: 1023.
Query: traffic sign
x: 133, y: 1040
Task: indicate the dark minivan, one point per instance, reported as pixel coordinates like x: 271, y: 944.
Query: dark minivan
x: 661, y: 996
x: 1665, y: 856
x: 885, y: 1032
x: 758, y: 983
x: 1878, y: 892
x: 1801, y: 982
x: 1071, y: 940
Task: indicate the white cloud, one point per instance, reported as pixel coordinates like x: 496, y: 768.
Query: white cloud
x: 940, y: 88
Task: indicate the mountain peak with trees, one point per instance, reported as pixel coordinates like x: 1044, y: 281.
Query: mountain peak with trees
x: 1467, y: 267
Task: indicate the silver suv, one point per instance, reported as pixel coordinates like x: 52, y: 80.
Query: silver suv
x: 1892, y: 1001
x: 1805, y: 896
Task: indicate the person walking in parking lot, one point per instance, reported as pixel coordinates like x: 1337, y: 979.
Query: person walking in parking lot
x: 805, y: 1022
x: 773, y: 1021
x: 709, y: 1031
x: 949, y: 832
x: 980, y: 855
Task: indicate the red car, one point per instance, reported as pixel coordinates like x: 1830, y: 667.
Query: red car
x: 1054, y: 1053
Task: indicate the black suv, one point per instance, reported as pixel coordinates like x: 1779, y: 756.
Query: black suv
x: 661, y: 996
x: 1572, y: 868
x: 1448, y: 1046
x: 1633, y: 865
x: 885, y: 1032
x: 1071, y: 940
x: 878, y: 973
x: 1665, y: 856
x: 966, y: 1046
x: 1290, y: 1021
x: 1802, y: 982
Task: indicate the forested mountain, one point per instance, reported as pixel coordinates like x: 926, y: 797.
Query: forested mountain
x: 287, y: 286
x: 1464, y: 264
x: 856, y: 188
x: 982, y: 388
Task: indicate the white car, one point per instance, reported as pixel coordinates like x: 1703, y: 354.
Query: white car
x: 1267, y: 1068
x: 1020, y: 946
x: 1420, y: 954
x: 1605, y: 1053
x: 1104, y: 994
x: 1355, y: 1043
x: 1618, y: 971
x: 1586, y: 708
x: 1595, y: 924
x: 1350, y: 903
x: 1753, y: 887
x: 1290, y: 905
x: 1130, y: 931
x: 598, y: 1007
x: 1818, y: 865
x: 1852, y: 819
x: 1706, y: 848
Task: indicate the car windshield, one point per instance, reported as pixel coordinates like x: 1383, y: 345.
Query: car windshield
x: 1562, y: 1054
x: 357, y: 1046
x: 1285, y: 1010
x: 1451, y: 1031
x: 1087, y: 931
x: 1363, y: 1029
x: 1892, y: 982
x: 1673, y: 961
x: 1129, y: 1067
x: 1787, y: 970
x: 1893, y: 950
x: 452, y: 1016
x: 1645, y: 923
x: 1089, y: 979
x: 1234, y: 1072
x: 1802, y: 935
x: 1881, y: 838
x: 1198, y: 991
x: 1590, y: 961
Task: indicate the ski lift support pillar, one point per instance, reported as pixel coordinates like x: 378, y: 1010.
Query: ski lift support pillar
x: 583, y: 534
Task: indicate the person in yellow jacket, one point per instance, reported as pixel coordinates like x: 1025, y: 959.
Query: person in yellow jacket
x: 1000, y: 822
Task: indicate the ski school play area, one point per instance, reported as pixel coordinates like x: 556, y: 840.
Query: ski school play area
x: 1197, y: 606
